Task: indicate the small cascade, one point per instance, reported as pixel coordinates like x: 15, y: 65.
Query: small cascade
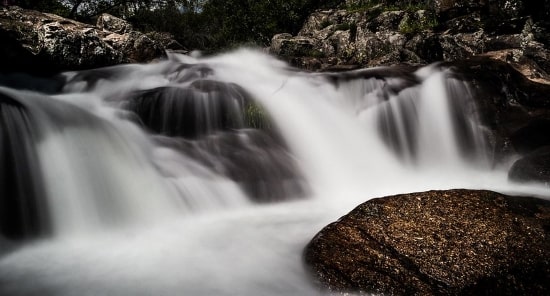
x: 425, y: 116
x: 22, y: 201
x: 88, y: 172
x: 129, y: 143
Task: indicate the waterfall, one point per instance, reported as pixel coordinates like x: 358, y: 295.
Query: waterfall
x: 206, y: 176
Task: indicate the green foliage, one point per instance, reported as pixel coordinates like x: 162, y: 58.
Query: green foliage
x: 342, y: 27
x: 50, y: 6
x: 184, y: 23
x: 325, y: 24
x: 414, y: 25
x: 256, y: 117
x: 387, y: 5
x: 316, y: 54
x: 363, y: 6
x: 240, y: 21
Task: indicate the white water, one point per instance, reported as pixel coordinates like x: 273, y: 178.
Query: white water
x: 190, y: 231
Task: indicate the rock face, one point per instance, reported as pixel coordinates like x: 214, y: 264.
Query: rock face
x: 456, y: 242
x: 41, y: 42
x: 418, y: 32
x: 514, y: 110
x: 534, y: 167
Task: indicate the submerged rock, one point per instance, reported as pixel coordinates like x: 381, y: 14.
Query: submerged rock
x: 258, y: 161
x: 454, y: 242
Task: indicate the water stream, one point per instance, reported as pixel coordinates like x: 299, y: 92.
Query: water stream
x: 208, y: 176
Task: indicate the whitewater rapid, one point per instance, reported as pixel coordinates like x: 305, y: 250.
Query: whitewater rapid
x: 133, y: 217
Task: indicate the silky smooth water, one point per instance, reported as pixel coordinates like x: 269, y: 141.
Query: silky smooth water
x: 133, y: 216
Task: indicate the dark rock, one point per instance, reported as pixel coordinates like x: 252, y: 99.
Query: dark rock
x: 454, y: 242
x: 426, y: 46
x: 469, y: 23
x: 452, y: 8
x: 255, y: 159
x: 532, y: 136
x: 166, y: 41
x: 284, y: 45
x: 507, y: 102
x: 191, y: 112
x: 534, y: 167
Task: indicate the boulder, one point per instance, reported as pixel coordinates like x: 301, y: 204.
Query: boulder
x: 285, y: 45
x: 113, y: 24
x: 534, y: 167
x: 41, y: 42
x: 257, y: 160
x: 454, y: 242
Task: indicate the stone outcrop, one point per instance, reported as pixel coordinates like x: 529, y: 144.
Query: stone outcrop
x: 364, y: 34
x: 513, y: 109
x: 42, y: 42
x: 455, y: 242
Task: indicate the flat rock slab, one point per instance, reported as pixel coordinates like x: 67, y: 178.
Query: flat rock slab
x: 454, y: 242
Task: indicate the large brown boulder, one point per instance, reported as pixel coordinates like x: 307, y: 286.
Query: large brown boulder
x: 454, y: 242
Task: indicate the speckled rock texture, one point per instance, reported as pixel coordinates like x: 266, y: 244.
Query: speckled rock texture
x: 454, y: 242
x: 364, y: 33
x: 40, y: 42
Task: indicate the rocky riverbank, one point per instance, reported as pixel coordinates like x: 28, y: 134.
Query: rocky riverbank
x: 45, y: 43
x: 375, y: 33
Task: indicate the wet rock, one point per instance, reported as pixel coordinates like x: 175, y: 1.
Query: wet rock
x: 534, y: 167
x: 508, y: 103
x: 257, y: 160
x: 205, y: 108
x: 454, y: 242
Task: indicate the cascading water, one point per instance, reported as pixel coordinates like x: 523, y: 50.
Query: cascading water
x: 153, y: 179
